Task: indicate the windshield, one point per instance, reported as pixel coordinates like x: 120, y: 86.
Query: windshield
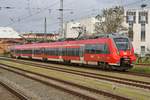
x: 122, y: 43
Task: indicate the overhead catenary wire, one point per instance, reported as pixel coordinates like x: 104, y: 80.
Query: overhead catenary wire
x: 86, y: 13
x: 29, y: 16
x: 67, y: 16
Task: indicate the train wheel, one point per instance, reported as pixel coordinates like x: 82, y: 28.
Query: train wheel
x: 101, y: 65
x: 30, y: 57
x: 123, y: 70
x: 107, y: 66
x: 18, y: 57
x: 11, y: 55
x: 67, y: 61
x: 44, y: 59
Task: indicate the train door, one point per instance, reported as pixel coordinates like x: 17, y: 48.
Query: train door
x: 90, y: 52
x: 81, y: 53
x: 32, y: 52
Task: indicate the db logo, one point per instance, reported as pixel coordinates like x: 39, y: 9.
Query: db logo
x: 92, y: 56
x: 125, y: 53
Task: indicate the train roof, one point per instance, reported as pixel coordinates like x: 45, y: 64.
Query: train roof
x: 98, y: 38
x: 112, y: 35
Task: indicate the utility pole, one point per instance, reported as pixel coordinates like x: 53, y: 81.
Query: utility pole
x: 65, y: 29
x: 61, y: 19
x: 28, y: 3
x: 45, y: 28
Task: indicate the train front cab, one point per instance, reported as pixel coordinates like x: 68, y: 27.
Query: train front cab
x: 123, y: 56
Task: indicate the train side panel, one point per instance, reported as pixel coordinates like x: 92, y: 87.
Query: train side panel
x: 103, y: 51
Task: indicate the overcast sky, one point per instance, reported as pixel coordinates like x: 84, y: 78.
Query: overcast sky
x: 28, y: 15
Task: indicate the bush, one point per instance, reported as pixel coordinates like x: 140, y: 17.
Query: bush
x: 143, y: 60
x: 6, y: 54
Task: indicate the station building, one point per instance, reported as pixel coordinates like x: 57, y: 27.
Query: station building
x: 8, y: 37
x: 36, y: 36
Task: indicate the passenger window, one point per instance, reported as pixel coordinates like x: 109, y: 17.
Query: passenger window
x: 96, y: 49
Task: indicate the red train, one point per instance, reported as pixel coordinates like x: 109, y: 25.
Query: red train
x: 107, y: 51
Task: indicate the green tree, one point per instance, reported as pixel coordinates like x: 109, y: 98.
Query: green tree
x: 110, y: 21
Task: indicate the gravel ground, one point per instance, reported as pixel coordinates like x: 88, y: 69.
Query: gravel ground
x: 40, y: 91
x: 6, y: 95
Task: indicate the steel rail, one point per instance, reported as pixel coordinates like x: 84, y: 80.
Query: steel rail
x: 65, y: 82
x: 17, y: 93
x: 145, y: 85
x: 127, y: 72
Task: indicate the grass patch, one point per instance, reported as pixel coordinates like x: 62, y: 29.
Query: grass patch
x: 141, y: 69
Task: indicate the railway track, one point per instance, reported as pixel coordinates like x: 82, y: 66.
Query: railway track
x: 130, y: 82
x: 136, y: 74
x: 87, y: 67
x: 79, y: 90
x: 14, y: 91
x: 144, y: 64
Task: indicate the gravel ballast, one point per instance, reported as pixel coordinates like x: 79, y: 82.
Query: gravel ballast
x: 37, y: 89
x: 6, y: 95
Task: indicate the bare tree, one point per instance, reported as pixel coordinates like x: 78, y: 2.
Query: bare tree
x: 110, y: 21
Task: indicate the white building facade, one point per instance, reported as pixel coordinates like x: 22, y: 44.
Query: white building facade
x: 86, y: 25
x: 138, y: 23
